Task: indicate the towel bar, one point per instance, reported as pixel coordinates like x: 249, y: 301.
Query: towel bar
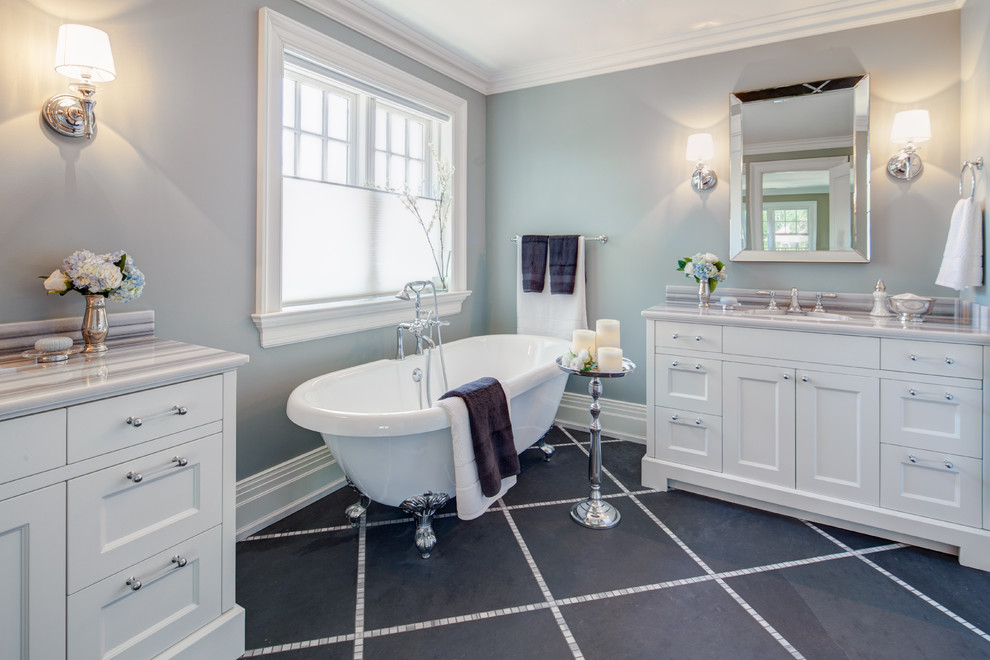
x: 603, y: 238
x: 975, y: 166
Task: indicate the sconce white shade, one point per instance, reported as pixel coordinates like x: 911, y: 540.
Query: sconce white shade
x: 911, y: 126
x: 83, y: 53
x: 700, y: 147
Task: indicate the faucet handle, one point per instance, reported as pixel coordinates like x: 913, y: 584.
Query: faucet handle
x: 818, y: 302
x: 773, y: 298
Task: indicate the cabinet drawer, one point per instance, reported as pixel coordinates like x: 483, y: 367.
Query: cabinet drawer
x: 112, y: 619
x: 688, y: 336
x: 933, y: 417
x: 804, y: 346
x: 688, y: 438
x: 689, y: 383
x: 100, y: 427
x: 931, y: 484
x: 32, y: 444
x: 930, y: 357
x: 115, y: 521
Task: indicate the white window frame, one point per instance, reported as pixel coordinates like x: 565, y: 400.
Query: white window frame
x: 278, y: 326
x: 806, y: 205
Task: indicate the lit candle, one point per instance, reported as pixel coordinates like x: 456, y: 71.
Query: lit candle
x: 608, y: 332
x: 609, y: 359
x: 583, y: 340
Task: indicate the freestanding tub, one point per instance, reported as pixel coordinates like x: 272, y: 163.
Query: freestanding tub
x: 392, y: 450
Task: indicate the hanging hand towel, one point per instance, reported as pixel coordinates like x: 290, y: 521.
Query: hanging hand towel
x: 533, y: 262
x: 562, y: 263
x: 556, y: 315
x: 962, y: 260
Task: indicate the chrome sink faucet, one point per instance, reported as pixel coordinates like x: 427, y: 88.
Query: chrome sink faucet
x: 795, y: 306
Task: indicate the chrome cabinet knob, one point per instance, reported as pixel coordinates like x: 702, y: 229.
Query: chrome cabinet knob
x: 674, y: 336
x: 804, y: 379
x: 948, y: 397
x: 133, y: 583
x: 697, y: 338
x: 913, y: 357
x: 912, y: 392
x: 949, y: 360
x: 136, y: 477
x: 948, y: 465
x: 913, y: 458
x: 787, y: 376
x: 673, y: 417
x: 697, y: 367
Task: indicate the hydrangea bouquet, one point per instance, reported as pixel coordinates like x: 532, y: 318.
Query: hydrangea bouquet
x: 113, y: 276
x: 703, y: 266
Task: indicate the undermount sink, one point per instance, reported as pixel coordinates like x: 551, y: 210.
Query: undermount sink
x: 794, y: 316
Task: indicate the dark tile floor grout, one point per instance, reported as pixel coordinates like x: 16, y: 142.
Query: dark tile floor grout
x: 682, y: 575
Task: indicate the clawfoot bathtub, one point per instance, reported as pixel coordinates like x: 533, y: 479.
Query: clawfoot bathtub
x: 393, y: 447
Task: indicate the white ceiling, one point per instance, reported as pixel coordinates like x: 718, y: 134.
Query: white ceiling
x: 500, y: 45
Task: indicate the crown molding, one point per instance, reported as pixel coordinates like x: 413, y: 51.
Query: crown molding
x: 386, y: 30
x: 824, y: 18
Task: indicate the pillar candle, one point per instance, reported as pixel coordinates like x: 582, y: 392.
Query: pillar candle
x: 583, y: 340
x: 609, y: 359
x: 608, y: 332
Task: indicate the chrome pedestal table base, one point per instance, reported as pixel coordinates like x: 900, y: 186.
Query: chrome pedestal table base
x: 593, y: 512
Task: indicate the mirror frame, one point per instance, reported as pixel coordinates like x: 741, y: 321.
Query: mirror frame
x: 860, y: 245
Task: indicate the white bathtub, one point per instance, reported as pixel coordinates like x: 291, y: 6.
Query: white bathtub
x: 391, y: 450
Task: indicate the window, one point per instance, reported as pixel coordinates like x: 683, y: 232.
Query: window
x: 789, y: 225
x: 341, y: 134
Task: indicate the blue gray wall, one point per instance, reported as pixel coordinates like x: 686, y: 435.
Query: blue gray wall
x: 606, y: 155
x: 975, y: 107
x: 171, y: 178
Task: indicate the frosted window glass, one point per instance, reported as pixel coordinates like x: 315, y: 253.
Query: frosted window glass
x: 396, y: 172
x: 416, y: 140
x: 398, y: 141
x: 416, y: 183
x: 288, y: 102
x: 310, y: 108
x: 339, y: 117
x: 310, y: 157
x: 288, y: 152
x: 381, y: 129
x: 336, y: 162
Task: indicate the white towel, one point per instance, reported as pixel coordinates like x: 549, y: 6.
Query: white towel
x: 962, y: 261
x: 471, y: 502
x: 551, y: 315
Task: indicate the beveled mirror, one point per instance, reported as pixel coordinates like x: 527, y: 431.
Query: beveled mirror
x: 800, y: 173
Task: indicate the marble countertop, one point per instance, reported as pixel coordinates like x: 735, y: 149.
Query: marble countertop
x: 932, y: 329
x: 131, y: 364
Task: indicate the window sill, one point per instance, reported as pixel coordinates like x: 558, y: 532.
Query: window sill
x: 298, y: 325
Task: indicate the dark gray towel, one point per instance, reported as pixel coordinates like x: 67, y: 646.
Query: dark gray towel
x: 563, y: 263
x: 491, y: 432
x: 533, y: 262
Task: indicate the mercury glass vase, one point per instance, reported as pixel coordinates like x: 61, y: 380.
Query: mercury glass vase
x: 704, y: 294
x: 95, y: 326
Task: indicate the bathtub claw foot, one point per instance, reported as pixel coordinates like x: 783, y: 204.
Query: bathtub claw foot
x: 547, y: 450
x: 423, y: 507
x: 356, y: 510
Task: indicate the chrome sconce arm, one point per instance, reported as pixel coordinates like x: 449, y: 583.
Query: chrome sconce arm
x: 70, y: 115
x: 82, y: 54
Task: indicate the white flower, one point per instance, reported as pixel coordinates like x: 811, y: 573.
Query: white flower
x: 584, y: 355
x: 710, y: 257
x: 58, y: 282
x: 689, y: 268
x: 576, y: 364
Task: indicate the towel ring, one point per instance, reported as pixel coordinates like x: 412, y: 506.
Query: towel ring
x: 974, y: 166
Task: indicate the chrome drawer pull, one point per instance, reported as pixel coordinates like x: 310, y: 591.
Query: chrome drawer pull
x: 787, y: 376
x: 137, y: 477
x: 673, y: 417
x: 174, y: 410
x: 913, y: 357
x: 949, y: 360
x: 913, y: 392
x: 804, y: 379
x: 698, y: 421
x: 697, y: 367
x: 698, y: 338
x: 948, y: 464
x: 136, y: 584
x: 674, y: 336
x: 948, y: 396
x: 676, y: 418
x: 674, y: 363
x: 913, y: 458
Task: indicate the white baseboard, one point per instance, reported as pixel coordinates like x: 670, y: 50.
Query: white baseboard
x: 619, y: 419
x: 273, y: 494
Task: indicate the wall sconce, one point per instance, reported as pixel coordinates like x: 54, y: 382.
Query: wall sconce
x: 700, y: 150
x: 83, y: 54
x: 910, y: 127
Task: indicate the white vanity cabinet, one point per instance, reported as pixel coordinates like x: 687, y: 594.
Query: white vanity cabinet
x: 117, y: 517
x: 873, y: 426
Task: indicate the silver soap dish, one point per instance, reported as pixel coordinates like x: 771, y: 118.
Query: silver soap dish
x: 911, y: 308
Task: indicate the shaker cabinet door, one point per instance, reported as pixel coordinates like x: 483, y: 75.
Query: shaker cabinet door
x: 758, y: 423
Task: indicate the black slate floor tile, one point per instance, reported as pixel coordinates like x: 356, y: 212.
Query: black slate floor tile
x: 297, y: 588
x: 328, y: 511
x: 576, y: 561
x: 337, y: 651
x: 694, y: 621
x: 855, y: 540
x: 524, y: 635
x: 565, y: 476
x: 476, y: 566
x: 622, y: 460
x: 964, y: 591
x: 727, y: 536
x: 845, y: 609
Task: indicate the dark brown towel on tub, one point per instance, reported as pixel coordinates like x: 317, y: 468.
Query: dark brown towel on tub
x: 563, y: 263
x: 491, y: 432
x: 533, y: 262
